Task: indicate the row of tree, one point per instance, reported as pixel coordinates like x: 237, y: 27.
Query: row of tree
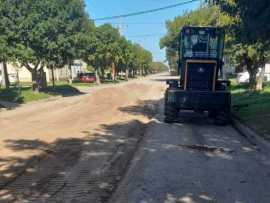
x: 53, y: 33
x: 247, y: 33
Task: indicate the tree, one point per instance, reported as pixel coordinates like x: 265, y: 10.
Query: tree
x: 92, y: 53
x: 110, y: 38
x: 159, y: 67
x: 205, y: 16
x: 48, y: 33
x: 127, y: 57
x: 250, y: 31
x: 143, y: 59
x: 7, y: 33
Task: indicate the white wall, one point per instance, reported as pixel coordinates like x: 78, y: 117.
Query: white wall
x: 267, y: 71
x: 244, y: 76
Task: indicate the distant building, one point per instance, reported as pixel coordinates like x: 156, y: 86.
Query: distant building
x: 60, y: 73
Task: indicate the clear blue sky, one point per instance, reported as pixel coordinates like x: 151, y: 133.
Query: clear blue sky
x: 152, y: 25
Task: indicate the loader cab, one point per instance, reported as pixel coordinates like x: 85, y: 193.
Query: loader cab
x: 200, y: 89
x: 201, y: 53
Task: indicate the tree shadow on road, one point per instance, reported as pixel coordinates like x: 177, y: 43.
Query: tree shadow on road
x: 70, y: 169
x: 63, y: 90
x: 150, y: 108
x: 146, y: 108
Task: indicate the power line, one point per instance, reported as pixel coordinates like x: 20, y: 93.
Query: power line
x: 146, y: 35
x: 141, y: 23
x: 144, y: 12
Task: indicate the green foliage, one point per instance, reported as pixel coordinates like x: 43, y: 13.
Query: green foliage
x: 159, y: 67
x: 108, y: 50
x: 205, y: 16
x: 49, y: 31
x: 53, y: 33
x: 253, y: 108
x: 249, y: 32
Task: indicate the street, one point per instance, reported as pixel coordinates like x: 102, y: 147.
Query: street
x: 111, y: 145
x: 195, y: 162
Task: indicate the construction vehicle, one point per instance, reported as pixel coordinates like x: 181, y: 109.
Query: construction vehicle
x: 200, y: 66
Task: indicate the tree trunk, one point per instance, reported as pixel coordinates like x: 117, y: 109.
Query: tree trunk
x: 102, y: 74
x: 70, y: 73
x: 97, y: 77
x: 127, y: 73
x: 252, y: 79
x: 260, y: 80
x: 53, y: 78
x: 113, y: 71
x: 34, y: 80
x: 5, y: 79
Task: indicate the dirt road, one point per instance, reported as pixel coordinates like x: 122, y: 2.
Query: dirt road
x: 195, y: 161
x: 74, y: 149
x: 112, y: 146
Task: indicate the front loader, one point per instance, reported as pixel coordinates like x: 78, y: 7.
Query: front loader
x: 200, y: 66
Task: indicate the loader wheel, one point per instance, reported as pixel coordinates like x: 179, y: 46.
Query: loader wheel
x: 223, y: 118
x: 212, y: 114
x: 171, y: 113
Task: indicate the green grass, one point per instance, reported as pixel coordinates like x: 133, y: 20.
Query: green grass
x: 25, y: 93
x: 63, y: 88
x: 253, y: 107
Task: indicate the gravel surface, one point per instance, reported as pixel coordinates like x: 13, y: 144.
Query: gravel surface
x: 195, y: 161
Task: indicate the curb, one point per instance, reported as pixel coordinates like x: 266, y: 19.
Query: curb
x: 251, y: 136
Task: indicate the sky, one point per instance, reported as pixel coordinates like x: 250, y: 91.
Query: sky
x: 146, y: 29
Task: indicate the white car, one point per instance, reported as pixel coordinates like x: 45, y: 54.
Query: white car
x: 243, y: 77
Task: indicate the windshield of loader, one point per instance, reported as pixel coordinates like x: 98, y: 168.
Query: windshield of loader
x: 202, y: 43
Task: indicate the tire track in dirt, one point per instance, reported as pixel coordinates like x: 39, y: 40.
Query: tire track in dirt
x: 79, y: 151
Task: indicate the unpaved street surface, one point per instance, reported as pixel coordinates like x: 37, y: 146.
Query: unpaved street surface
x: 111, y: 145
x: 195, y: 161
x: 74, y: 149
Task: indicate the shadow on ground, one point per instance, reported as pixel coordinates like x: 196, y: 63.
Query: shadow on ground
x: 76, y: 169
x: 14, y: 96
x: 63, y: 90
x: 146, y: 108
x: 79, y: 170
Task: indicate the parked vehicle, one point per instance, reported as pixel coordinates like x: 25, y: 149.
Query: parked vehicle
x: 87, y: 77
x: 243, y: 77
x: 199, y: 88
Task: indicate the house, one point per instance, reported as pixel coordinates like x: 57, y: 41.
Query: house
x: 23, y: 75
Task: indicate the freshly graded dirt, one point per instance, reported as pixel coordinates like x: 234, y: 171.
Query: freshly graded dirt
x: 74, y: 149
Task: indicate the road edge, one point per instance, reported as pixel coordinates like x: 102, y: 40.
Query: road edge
x: 251, y: 136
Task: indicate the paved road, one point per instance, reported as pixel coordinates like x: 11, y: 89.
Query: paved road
x: 174, y: 165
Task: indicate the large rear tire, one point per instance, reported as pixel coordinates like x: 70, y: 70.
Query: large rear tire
x: 171, y: 113
x: 223, y: 118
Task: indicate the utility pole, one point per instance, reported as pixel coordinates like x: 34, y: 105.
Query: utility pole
x: 120, y: 27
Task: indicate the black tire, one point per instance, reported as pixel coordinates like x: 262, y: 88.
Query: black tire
x: 171, y: 113
x: 223, y: 118
x: 212, y: 114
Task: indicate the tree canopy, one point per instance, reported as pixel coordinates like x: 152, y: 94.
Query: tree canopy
x: 204, y: 16
x: 247, y: 30
x: 53, y: 33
